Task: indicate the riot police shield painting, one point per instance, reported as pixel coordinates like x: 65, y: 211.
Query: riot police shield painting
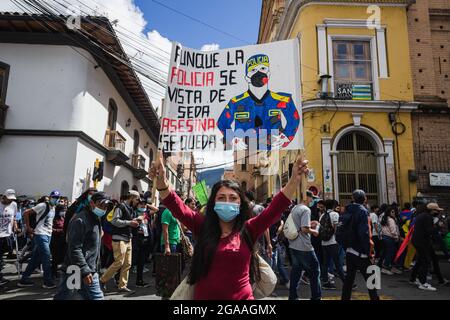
x: 244, y: 98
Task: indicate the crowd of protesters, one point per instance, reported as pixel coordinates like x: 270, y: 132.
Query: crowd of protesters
x: 106, y: 239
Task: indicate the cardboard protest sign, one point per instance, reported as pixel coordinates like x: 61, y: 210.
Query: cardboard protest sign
x: 238, y: 98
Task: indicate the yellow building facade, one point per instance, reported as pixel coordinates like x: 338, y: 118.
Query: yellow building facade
x: 357, y: 97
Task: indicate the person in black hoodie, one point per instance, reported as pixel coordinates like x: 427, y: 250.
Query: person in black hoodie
x: 358, y: 252
x: 83, y: 249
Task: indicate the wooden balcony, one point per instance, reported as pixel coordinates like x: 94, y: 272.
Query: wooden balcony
x: 115, y: 143
x: 138, y: 163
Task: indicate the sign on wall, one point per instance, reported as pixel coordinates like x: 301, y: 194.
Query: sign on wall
x: 238, y: 98
x: 439, y: 179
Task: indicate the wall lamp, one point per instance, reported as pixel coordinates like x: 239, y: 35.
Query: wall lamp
x: 324, y: 86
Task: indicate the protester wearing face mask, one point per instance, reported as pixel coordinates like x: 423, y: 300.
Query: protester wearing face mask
x: 78, y: 205
x: 259, y: 108
x: 41, y: 231
x: 222, y: 266
x: 83, y: 248
x: 8, y: 210
x: 58, y: 243
x: 122, y: 224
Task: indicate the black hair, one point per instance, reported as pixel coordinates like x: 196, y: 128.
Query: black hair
x: 210, y: 233
x: 250, y: 196
x: 188, y: 201
x: 407, y: 206
x: 387, y: 214
x: 331, y: 204
x: 373, y: 207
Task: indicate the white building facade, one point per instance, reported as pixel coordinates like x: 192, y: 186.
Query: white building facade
x: 66, y: 108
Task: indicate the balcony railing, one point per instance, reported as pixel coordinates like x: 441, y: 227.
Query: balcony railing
x: 138, y: 161
x: 114, y: 140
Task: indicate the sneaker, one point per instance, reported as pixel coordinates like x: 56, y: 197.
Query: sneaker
x: 387, y: 272
x: 49, y: 285
x: 329, y: 286
x: 146, y: 270
x: 125, y: 290
x: 396, y: 271
x: 414, y: 282
x: 3, y: 282
x: 25, y: 283
x: 142, y: 284
x: 427, y: 286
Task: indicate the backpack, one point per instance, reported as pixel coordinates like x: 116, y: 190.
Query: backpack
x: 290, y: 230
x: 326, y: 230
x: 33, y: 222
x: 344, y: 230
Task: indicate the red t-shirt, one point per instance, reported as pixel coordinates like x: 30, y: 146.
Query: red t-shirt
x: 228, y: 277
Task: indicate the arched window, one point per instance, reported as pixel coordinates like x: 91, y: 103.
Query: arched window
x: 112, y: 115
x: 124, y: 189
x: 357, y: 167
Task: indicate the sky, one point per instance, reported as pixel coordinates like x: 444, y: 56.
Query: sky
x: 147, y: 27
x: 239, y: 18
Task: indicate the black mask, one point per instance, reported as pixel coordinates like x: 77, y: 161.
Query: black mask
x: 257, y: 79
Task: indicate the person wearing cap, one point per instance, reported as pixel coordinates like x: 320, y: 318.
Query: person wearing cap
x: 358, y: 253
x: 83, y: 249
x: 8, y: 211
x: 422, y: 241
x: 259, y: 109
x: 41, y: 234
x: 122, y: 224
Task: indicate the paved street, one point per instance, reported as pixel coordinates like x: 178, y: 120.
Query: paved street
x: 392, y: 288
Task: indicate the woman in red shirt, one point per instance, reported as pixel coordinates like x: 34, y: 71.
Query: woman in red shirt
x: 222, y: 265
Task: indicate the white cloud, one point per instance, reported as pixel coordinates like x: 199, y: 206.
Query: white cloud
x: 210, y: 47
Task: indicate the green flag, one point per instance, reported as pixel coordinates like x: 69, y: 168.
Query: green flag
x: 200, y: 192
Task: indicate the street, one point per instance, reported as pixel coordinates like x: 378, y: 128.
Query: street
x: 394, y: 287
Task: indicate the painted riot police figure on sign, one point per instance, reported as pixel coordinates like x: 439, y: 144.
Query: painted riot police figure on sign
x: 259, y: 108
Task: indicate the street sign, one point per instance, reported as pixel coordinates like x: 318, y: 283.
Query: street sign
x: 439, y: 179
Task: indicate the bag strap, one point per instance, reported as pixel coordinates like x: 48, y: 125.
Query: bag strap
x: 181, y: 229
x: 47, y: 210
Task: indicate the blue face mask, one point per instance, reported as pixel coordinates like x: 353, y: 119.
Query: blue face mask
x: 227, y: 211
x: 141, y: 210
x: 99, y: 212
x: 89, y: 197
x: 53, y: 201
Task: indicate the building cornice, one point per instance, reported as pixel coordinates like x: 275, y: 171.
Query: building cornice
x: 358, y: 106
x: 295, y: 7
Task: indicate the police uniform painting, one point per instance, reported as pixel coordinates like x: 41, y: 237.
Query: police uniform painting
x: 259, y: 108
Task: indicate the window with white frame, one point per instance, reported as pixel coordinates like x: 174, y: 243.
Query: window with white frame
x: 352, y: 65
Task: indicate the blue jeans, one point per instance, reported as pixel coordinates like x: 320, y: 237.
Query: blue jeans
x: 305, y: 261
x: 390, y: 247
x: 278, y: 256
x: 87, y: 292
x: 40, y: 254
